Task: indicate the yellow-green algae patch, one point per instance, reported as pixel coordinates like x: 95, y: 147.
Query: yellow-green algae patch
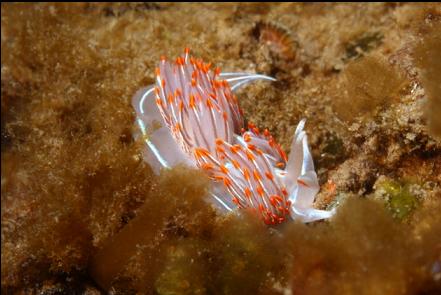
x: 398, y: 197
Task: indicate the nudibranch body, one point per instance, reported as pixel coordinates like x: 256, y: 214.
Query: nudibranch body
x: 192, y: 117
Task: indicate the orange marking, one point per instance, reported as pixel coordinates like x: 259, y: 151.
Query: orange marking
x: 257, y: 175
x: 157, y: 91
x: 266, y: 133
x: 261, y: 207
x: 192, y: 105
x: 197, y: 154
x: 251, y: 147
x: 204, y: 68
x: 250, y: 155
x: 247, y: 137
x: 276, y: 199
x: 163, y: 58
x: 178, y: 127
x: 163, y: 83
x: 282, y: 153
x: 246, y: 174
x: 225, y: 116
x: 301, y: 182
x: 170, y: 98
x: 219, y: 141
x: 181, y: 105
x: 207, y: 166
x: 209, y: 103
x: 260, y: 191
x: 233, y: 149
x: 280, y: 165
x: 224, y: 169
x: 227, y: 182
x: 217, y: 71
x: 201, y: 152
x: 247, y: 193
x: 193, y: 82
x: 187, y: 50
x: 157, y: 72
x: 220, y: 149
x: 218, y: 177
x: 159, y: 102
x: 218, y: 83
x: 178, y: 92
x: 269, y: 175
x: 235, y: 164
x: 273, y: 202
x: 180, y: 61
x: 271, y: 141
x: 284, y: 192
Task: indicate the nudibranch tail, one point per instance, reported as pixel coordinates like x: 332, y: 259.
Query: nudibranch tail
x: 191, y: 116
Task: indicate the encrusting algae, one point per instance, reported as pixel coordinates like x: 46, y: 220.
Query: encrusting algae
x: 83, y: 213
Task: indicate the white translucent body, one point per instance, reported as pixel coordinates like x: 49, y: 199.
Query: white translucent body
x: 298, y: 176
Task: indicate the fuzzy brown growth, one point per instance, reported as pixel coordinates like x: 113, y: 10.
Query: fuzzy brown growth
x: 368, y: 83
x: 331, y: 257
x: 72, y: 177
x: 157, y: 224
x: 427, y: 56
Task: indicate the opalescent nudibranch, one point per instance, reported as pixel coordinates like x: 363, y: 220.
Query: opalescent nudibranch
x: 192, y: 117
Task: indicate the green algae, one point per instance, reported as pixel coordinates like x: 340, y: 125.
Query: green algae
x: 399, y: 200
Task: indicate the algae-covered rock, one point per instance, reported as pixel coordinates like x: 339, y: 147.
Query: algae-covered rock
x: 183, y: 272
x: 82, y: 213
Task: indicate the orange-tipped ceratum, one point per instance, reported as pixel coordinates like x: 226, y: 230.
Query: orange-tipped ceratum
x: 192, y: 116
